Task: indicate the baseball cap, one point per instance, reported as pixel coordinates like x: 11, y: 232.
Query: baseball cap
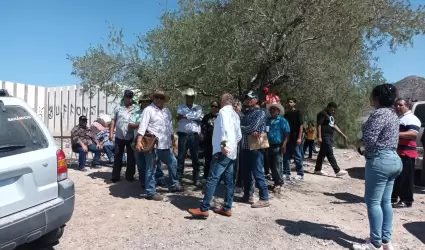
x: 82, y: 118
x: 128, y: 93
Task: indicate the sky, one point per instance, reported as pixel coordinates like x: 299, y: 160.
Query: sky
x: 36, y: 36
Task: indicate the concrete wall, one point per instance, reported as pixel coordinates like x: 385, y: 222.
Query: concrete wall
x: 69, y: 102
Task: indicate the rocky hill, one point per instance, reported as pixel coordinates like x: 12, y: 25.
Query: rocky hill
x: 412, y: 87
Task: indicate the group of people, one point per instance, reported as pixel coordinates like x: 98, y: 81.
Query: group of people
x: 243, y: 142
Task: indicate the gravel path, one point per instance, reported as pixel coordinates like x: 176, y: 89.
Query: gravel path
x: 320, y: 213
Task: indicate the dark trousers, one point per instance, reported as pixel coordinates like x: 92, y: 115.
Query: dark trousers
x: 310, y: 145
x: 191, y: 142
x: 275, y: 157
x: 120, y: 146
x: 208, y: 158
x: 326, y: 150
x: 404, y: 183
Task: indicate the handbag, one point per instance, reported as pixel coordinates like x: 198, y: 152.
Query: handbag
x: 261, y: 142
x: 149, y: 142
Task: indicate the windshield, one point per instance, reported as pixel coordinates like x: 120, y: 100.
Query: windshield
x: 19, y: 132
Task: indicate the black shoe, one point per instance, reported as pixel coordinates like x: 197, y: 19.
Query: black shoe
x: 115, y: 180
x: 130, y: 179
x: 177, y: 189
x: 402, y: 204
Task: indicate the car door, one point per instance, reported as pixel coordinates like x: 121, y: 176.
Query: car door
x: 28, y: 164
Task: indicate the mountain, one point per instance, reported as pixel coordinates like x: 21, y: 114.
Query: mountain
x: 412, y: 87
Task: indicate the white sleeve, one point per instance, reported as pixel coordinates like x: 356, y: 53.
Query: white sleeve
x: 144, y: 121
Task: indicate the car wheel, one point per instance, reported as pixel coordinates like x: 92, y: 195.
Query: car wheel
x: 51, y: 238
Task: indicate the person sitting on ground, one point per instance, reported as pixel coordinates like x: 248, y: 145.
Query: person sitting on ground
x: 383, y: 165
x: 82, y: 141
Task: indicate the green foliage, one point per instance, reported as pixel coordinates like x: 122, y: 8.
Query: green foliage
x: 315, y: 50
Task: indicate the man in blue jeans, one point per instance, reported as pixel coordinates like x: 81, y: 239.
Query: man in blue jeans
x: 294, y: 147
x: 253, y: 123
x: 156, y: 120
x: 226, y: 135
x: 82, y: 141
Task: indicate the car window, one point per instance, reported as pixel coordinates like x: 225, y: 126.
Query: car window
x: 19, y: 132
x: 420, y: 113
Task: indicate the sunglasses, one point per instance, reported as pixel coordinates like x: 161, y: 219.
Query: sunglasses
x: 128, y: 96
x: 214, y: 106
x: 273, y: 109
x: 159, y: 97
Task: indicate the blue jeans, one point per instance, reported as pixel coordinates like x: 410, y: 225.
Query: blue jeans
x: 292, y: 148
x: 220, y: 164
x: 382, y: 167
x: 82, y: 156
x: 191, y: 142
x: 109, y: 151
x: 253, y: 166
x: 140, y: 161
x: 167, y: 157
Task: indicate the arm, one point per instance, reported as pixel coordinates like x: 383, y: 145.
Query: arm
x: 412, y: 130
x: 204, y: 124
x: 320, y: 120
x: 133, y: 124
x: 180, y: 113
x: 301, y: 121
x: 112, y: 126
x: 143, y: 125
x: 254, y: 126
x: 339, y: 131
x: 195, y: 114
x: 238, y: 129
x: 284, y: 126
x: 372, y: 128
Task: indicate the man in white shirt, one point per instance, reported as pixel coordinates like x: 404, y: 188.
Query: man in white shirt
x: 189, y: 116
x: 157, y: 120
x: 226, y: 136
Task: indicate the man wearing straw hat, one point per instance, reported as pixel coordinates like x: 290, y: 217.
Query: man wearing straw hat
x: 278, y: 131
x: 189, y: 116
x: 157, y: 120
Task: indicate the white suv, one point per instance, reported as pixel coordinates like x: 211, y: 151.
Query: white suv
x: 36, y: 196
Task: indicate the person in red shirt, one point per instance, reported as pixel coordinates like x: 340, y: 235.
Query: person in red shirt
x: 409, y: 129
x: 271, y: 97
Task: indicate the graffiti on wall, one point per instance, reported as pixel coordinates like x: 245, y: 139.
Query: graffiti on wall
x: 78, y: 110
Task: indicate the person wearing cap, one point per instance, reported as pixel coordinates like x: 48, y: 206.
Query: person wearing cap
x: 157, y: 120
x: 144, y: 101
x: 189, y: 116
x: 82, y: 141
x: 252, y: 124
x: 278, y: 131
x: 123, y: 136
x: 207, y: 133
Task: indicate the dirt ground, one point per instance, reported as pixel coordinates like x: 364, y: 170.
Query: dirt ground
x: 319, y: 213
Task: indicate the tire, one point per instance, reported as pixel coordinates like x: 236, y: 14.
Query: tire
x: 51, y: 238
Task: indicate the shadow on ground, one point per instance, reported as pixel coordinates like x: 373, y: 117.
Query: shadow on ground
x: 32, y: 246
x: 123, y: 189
x: 356, y: 173
x: 319, y: 231
x: 346, y: 198
x: 184, y: 202
x: 417, y: 229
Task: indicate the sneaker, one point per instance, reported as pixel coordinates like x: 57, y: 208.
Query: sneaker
x: 223, y: 212
x: 261, y: 204
x: 365, y: 246
x: 287, y: 177
x: 84, y: 169
x: 299, y: 178
x: 402, y: 204
x: 321, y: 172
x: 155, y: 197
x: 176, y: 189
x: 248, y: 200
x: 196, y: 212
x: 341, y: 173
x: 387, y: 246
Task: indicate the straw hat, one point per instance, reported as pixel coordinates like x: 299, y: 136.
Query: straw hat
x: 143, y: 98
x: 159, y: 92
x: 278, y: 106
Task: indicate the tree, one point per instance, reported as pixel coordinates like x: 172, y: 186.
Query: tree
x: 315, y: 50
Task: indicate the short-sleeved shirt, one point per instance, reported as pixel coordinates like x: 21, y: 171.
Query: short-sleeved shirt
x: 295, y: 121
x: 407, y: 147
x: 327, y: 123
x: 122, y: 117
x: 278, y: 129
x: 135, y: 119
